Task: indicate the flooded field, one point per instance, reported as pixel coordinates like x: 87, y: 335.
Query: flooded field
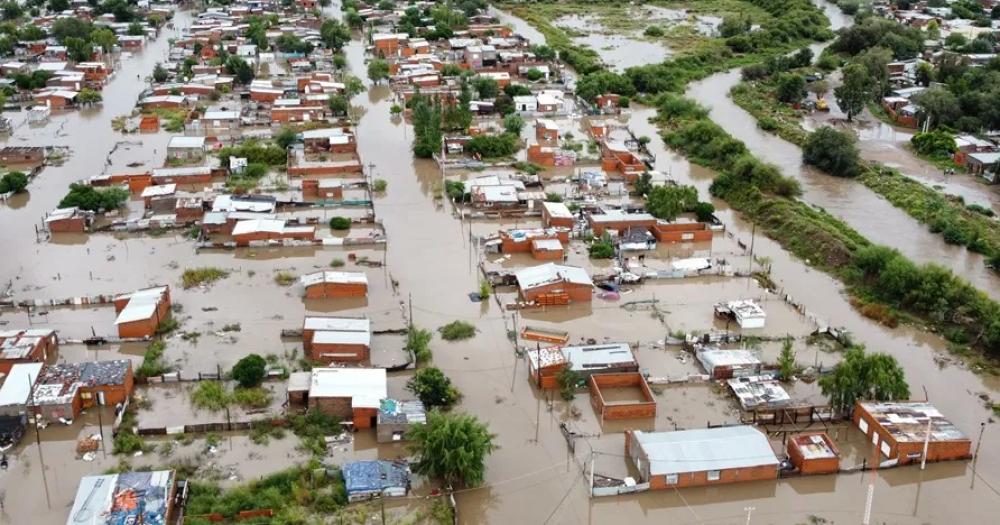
x: 533, y: 477
x: 876, y: 218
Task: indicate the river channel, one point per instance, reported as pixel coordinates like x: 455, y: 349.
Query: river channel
x: 531, y: 478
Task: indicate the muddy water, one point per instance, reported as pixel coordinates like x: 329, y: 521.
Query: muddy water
x: 531, y: 478
x: 864, y: 210
x: 882, y: 142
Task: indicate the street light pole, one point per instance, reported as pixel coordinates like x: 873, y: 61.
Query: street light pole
x: 749, y: 512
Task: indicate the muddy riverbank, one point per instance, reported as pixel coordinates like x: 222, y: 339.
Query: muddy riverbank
x: 532, y: 478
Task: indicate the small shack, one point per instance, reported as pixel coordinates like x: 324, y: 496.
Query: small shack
x: 396, y: 418
x: 554, y: 284
x: 328, y: 284
x: 337, y: 338
x: 724, y: 364
x: 365, y: 480
x: 747, y: 313
x: 128, y: 497
x: 140, y: 313
x: 813, y: 453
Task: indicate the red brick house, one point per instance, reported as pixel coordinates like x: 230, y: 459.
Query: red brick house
x: 813, y: 453
x: 26, y: 346
x: 701, y: 457
x: 899, y: 429
x: 328, y: 284
x: 553, y: 284
x: 352, y: 394
x: 140, y: 313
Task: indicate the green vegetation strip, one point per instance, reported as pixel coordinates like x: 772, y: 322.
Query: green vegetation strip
x: 929, y: 293
x: 970, y: 226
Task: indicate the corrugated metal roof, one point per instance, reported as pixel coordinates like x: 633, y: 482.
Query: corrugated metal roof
x: 705, y: 449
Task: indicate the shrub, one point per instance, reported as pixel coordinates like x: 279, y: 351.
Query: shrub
x: 205, y: 275
x: 250, y: 371
x: 284, y: 278
x: 832, y: 151
x: 152, y: 361
x: 337, y: 263
x: 704, y: 211
x: 210, y: 395
x: 602, y: 249
x: 418, y: 341
x: 380, y: 185
x: 433, y: 388
x: 13, y: 182
x: 340, y: 223
x: 89, y: 198
x: 653, y: 31
x: 492, y: 146
x: 457, y: 330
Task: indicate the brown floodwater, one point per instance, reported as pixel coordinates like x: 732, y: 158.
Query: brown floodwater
x: 531, y: 478
x: 874, y: 217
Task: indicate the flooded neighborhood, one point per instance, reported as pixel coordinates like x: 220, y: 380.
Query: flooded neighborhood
x: 461, y: 261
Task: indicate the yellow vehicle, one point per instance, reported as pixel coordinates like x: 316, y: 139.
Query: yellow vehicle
x: 821, y: 105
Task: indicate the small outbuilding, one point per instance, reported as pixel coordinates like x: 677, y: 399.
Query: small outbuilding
x: 140, y: 313
x: 813, y: 453
x: 331, y: 285
x: 352, y: 394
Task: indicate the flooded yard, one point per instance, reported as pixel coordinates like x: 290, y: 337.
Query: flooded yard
x: 431, y: 263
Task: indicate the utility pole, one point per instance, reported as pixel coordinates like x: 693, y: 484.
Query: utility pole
x: 513, y: 376
x: 927, y: 443
x: 592, y: 455
x: 753, y: 237
x: 411, y: 311
x: 982, y: 428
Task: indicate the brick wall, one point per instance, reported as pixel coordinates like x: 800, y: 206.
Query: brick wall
x: 338, y: 352
x: 334, y: 406
x: 700, y: 479
x: 617, y: 411
x: 336, y: 290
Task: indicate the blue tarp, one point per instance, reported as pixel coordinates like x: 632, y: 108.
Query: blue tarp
x: 361, y: 477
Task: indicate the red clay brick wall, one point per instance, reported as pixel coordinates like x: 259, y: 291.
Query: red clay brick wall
x: 334, y: 290
x: 700, y: 479
x: 335, y: 406
x: 355, y: 352
x: 77, y: 225
x: 637, y: 410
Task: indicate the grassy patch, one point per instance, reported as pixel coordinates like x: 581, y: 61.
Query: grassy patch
x: 284, y: 278
x: 204, y: 275
x: 152, y: 361
x: 457, y: 331
x: 293, y: 495
x: 214, y: 396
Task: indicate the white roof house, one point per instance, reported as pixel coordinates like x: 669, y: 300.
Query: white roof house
x: 327, y: 276
x: 365, y: 386
x: 141, y: 304
x: 700, y: 450
x: 159, y: 190
x: 181, y: 142
x: 544, y: 274
x: 258, y: 225
x: 17, y: 387
x: 748, y: 313
x: 741, y: 362
x: 557, y: 210
x: 342, y: 324
x: 330, y: 337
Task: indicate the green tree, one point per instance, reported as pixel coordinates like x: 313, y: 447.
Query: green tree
x: 70, y: 27
x: 160, y: 73
x: 939, y: 105
x: 340, y: 223
x: 87, y: 197
x: 334, y: 35
x: 433, y: 388
x: 451, y: 447
x: 513, y: 123
x: 353, y: 86
x: 11, y: 10
x: 338, y: 104
x: 791, y: 88
x: 534, y: 75
x: 136, y: 29
x: 89, y: 97
x: 786, y: 360
x: 861, y: 376
x: 240, y: 69
x: 105, y: 38
x: 924, y: 74
x: 855, y: 90
x: 13, y: 182
x: 486, y: 87
x: 427, y: 128
x: 876, y: 61
x: 543, y: 52
x: 30, y: 33
x: 285, y: 137
x: 58, y: 6
x: 667, y: 202
x: 418, y: 342
x: 704, y: 211
x: 832, y: 151
x: 250, y: 371
x: 378, y: 70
